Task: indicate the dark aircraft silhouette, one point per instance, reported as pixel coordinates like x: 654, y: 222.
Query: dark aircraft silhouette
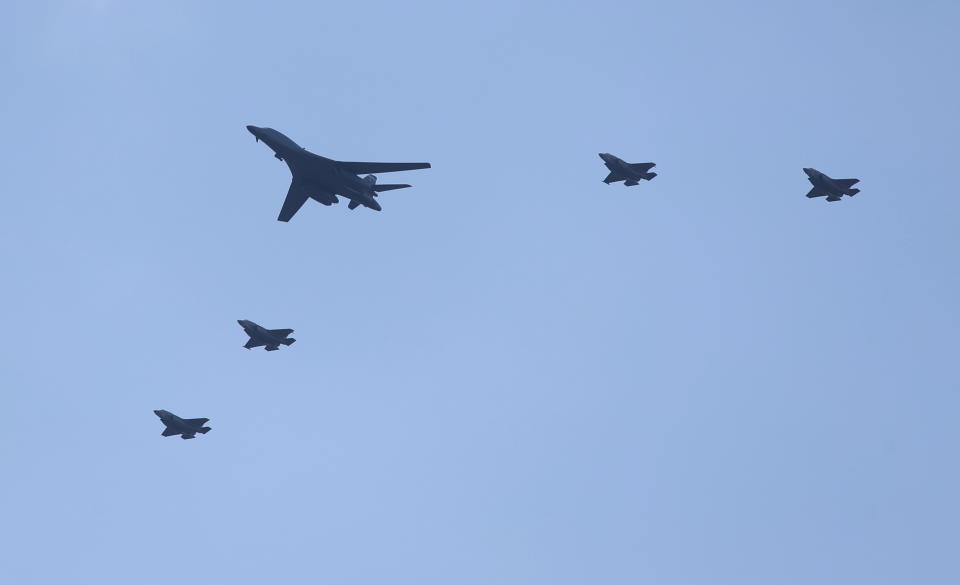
x: 832, y: 189
x: 630, y: 173
x: 187, y: 428
x: 322, y: 179
x: 272, y: 338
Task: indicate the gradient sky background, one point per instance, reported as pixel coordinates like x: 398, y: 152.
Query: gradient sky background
x: 514, y: 374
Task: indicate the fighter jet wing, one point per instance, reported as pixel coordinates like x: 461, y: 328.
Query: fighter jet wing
x: 169, y: 432
x: 815, y: 193
x: 281, y: 332
x: 846, y: 183
x: 197, y: 421
x: 252, y: 343
x: 296, y: 197
x: 642, y: 167
x: 359, y: 168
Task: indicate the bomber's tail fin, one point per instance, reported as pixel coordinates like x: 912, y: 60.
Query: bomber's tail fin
x: 203, y: 430
x: 288, y: 341
x: 379, y: 188
x: 852, y: 192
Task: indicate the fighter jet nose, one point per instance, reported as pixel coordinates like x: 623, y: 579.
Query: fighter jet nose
x: 252, y: 129
x: 809, y: 171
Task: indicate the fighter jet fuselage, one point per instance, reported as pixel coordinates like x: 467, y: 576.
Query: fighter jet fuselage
x: 629, y: 173
x: 322, y: 179
x: 832, y: 189
x: 187, y: 428
x: 272, y: 339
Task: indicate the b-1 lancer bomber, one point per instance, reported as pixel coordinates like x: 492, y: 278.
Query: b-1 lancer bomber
x: 322, y: 179
x: 832, y: 189
x: 629, y: 173
x: 187, y: 428
x: 260, y: 336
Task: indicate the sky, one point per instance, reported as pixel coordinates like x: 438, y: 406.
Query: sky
x: 514, y: 373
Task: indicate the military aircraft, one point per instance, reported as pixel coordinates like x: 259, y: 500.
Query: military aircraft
x: 832, y: 189
x: 630, y: 173
x: 322, y: 179
x: 187, y: 428
x: 272, y: 338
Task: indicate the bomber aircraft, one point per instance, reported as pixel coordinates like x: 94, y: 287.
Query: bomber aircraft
x: 260, y: 336
x: 629, y: 173
x: 187, y: 428
x: 322, y: 179
x: 832, y: 189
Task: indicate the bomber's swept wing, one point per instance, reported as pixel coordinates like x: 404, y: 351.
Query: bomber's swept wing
x: 359, y: 168
x: 252, y: 343
x: 296, y: 197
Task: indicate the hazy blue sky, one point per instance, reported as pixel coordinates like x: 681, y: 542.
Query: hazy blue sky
x: 514, y: 374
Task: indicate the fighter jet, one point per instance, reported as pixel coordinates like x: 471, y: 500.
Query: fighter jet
x: 322, y: 179
x: 272, y: 338
x: 187, y: 428
x: 832, y: 189
x: 630, y: 173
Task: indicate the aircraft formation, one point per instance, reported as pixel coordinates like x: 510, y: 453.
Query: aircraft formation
x: 325, y: 180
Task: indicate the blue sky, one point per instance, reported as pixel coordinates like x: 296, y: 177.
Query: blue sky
x: 514, y: 374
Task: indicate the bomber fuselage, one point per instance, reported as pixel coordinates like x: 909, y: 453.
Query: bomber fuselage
x: 322, y: 175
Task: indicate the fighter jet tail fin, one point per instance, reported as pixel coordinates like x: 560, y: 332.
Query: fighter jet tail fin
x: 288, y: 341
x: 204, y: 430
x: 379, y: 188
x: 272, y: 347
x: 852, y: 192
x: 650, y: 176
